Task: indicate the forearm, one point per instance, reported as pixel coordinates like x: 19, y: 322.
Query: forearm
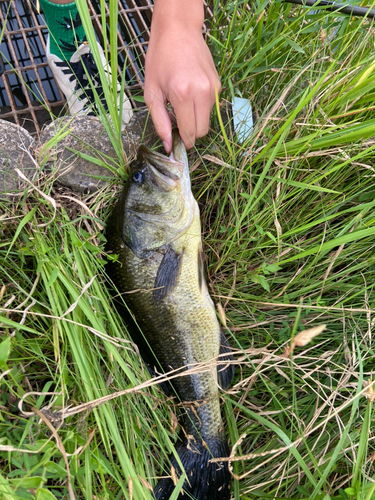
x: 176, y: 15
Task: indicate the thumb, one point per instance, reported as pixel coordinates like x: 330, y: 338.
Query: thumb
x: 160, y: 118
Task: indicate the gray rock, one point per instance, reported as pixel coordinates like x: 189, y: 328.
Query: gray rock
x: 16, y: 151
x: 85, y: 159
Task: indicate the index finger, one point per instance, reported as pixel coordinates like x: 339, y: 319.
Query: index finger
x: 160, y: 118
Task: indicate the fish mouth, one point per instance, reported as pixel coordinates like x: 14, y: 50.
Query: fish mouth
x: 161, y: 164
x: 172, y: 166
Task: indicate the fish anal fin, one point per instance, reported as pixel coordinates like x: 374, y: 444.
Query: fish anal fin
x: 225, y: 370
x: 167, y: 274
x: 165, y: 386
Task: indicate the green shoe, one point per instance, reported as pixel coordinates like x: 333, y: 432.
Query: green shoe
x: 71, y: 77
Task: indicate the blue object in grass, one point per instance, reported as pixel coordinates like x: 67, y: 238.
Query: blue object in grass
x: 242, y: 118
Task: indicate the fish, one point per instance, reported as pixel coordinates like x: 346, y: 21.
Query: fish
x: 155, y: 233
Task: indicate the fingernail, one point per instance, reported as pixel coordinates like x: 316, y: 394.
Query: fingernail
x: 166, y: 146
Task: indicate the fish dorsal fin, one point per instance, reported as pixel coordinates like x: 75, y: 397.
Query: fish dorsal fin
x: 168, y: 273
x: 202, y: 272
x: 225, y: 372
x: 201, y: 279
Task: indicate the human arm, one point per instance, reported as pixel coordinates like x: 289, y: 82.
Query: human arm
x: 179, y: 70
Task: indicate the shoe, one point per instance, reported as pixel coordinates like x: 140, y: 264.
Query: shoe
x: 72, y: 79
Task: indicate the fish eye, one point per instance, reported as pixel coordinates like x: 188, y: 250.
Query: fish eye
x: 138, y: 177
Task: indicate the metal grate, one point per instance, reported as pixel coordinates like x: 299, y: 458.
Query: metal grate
x: 28, y: 91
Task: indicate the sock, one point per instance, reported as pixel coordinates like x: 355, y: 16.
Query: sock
x: 66, y: 32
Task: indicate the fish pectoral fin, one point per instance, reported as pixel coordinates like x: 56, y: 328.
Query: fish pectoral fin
x: 225, y: 370
x: 168, y: 273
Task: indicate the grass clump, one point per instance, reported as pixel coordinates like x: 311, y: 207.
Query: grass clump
x: 288, y: 223
x: 65, y: 344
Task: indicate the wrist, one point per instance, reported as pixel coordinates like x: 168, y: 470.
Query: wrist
x: 176, y: 15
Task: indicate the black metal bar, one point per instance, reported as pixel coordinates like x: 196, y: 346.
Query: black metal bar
x: 336, y: 7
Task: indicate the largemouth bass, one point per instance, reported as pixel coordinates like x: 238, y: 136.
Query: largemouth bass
x: 155, y: 231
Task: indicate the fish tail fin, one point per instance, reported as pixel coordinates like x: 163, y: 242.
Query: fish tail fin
x: 205, y: 480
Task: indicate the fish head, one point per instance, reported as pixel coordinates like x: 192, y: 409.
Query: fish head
x: 157, y: 203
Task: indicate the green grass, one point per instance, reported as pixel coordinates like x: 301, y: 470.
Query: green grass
x: 288, y: 222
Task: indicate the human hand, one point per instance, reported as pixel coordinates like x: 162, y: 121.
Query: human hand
x: 179, y: 70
